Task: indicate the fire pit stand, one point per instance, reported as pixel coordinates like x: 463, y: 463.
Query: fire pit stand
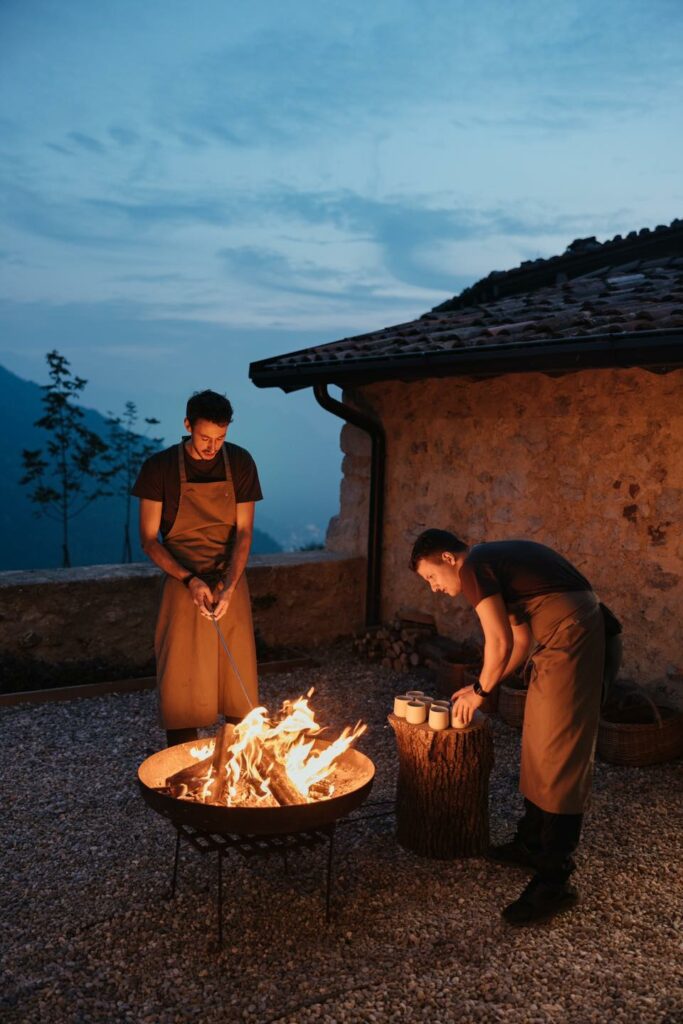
x: 254, y: 846
x: 251, y: 830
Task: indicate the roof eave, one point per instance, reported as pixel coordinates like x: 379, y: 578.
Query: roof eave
x: 654, y: 350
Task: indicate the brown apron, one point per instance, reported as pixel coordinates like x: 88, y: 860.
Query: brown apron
x: 195, y: 678
x: 563, y: 702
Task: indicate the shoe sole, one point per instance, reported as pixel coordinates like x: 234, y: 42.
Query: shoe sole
x: 568, y: 904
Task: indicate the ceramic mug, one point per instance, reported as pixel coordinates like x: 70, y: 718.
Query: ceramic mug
x: 416, y: 712
x: 415, y: 694
x: 439, y: 718
x: 456, y: 720
x: 400, y: 704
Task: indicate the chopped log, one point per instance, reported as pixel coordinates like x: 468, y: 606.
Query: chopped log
x: 443, y: 787
x: 284, y: 791
x: 219, y: 781
x: 193, y: 772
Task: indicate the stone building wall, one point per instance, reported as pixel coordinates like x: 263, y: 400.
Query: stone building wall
x: 589, y: 463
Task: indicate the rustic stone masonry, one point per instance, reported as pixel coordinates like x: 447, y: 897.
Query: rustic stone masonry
x: 589, y: 463
x: 64, y: 626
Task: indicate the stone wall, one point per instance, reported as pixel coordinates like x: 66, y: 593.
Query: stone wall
x: 99, y: 620
x: 589, y: 463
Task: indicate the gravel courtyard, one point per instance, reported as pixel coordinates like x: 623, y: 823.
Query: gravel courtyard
x: 88, y: 935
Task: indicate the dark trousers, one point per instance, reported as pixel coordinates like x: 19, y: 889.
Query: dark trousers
x: 552, y: 840
x: 174, y: 736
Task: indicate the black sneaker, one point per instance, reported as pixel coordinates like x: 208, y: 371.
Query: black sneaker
x: 513, y: 852
x: 540, y: 902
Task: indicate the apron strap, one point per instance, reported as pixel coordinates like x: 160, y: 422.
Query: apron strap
x: 226, y: 463
x: 181, y: 462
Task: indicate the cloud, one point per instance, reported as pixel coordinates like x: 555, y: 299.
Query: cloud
x: 274, y: 271
x: 124, y: 136
x: 86, y: 142
x: 168, y: 209
x: 409, y: 231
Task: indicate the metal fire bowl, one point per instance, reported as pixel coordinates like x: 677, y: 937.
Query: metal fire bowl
x: 353, y: 777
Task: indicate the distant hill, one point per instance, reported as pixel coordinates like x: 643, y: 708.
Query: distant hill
x: 32, y: 542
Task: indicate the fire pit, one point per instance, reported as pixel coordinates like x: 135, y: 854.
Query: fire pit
x: 236, y: 792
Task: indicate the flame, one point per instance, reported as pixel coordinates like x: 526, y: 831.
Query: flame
x: 275, y: 759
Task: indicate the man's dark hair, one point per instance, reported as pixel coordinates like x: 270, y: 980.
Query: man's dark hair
x: 209, y: 405
x: 434, y: 542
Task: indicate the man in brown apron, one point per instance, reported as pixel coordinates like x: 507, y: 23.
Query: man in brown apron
x: 199, y: 496
x: 535, y: 608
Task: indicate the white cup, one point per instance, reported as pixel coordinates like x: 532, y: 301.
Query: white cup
x: 415, y: 694
x: 400, y: 704
x: 439, y: 718
x: 427, y: 701
x: 456, y: 720
x: 442, y: 704
x: 416, y: 712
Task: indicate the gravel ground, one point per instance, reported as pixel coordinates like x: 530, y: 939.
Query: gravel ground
x: 90, y: 937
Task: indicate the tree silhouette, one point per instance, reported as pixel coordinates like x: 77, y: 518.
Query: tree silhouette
x: 127, y: 450
x: 74, y: 459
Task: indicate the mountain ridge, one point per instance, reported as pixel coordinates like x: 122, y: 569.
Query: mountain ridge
x: 31, y: 541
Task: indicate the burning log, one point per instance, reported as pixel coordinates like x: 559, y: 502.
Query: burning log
x: 189, y: 781
x: 219, y: 781
x: 284, y: 791
x: 442, y: 790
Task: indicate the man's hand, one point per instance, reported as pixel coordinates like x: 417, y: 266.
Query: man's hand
x: 221, y: 598
x: 466, y: 703
x: 202, y: 596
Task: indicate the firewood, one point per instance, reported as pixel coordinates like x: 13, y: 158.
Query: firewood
x: 198, y: 770
x: 219, y: 782
x: 284, y: 791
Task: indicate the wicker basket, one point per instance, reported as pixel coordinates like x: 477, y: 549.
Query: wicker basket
x: 511, y: 704
x: 623, y: 738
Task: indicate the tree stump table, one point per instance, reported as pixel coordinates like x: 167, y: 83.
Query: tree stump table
x: 442, y: 794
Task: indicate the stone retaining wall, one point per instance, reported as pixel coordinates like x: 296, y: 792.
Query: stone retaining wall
x: 589, y: 463
x: 101, y: 618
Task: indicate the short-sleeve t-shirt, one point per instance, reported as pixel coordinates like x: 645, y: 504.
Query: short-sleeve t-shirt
x: 518, y: 570
x: 159, y: 478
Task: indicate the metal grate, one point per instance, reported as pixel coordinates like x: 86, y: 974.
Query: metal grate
x: 254, y: 846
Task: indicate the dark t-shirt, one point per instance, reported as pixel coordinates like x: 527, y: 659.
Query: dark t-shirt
x: 518, y: 570
x: 159, y: 478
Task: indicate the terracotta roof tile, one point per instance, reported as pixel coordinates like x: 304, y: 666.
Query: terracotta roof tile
x: 586, y: 299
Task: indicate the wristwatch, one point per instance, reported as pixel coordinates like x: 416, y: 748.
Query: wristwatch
x: 477, y: 687
x: 186, y: 580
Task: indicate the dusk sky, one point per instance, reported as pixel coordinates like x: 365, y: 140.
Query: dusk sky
x: 188, y: 187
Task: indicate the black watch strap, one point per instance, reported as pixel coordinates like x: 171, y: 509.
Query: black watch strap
x: 186, y: 580
x: 477, y: 687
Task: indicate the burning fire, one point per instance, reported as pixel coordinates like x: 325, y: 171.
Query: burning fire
x: 269, y: 761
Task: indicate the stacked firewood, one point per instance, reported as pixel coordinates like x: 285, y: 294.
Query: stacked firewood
x: 397, y: 644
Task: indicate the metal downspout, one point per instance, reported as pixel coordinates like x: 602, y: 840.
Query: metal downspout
x: 376, y: 498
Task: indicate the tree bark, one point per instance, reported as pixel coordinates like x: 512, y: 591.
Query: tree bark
x: 443, y: 789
